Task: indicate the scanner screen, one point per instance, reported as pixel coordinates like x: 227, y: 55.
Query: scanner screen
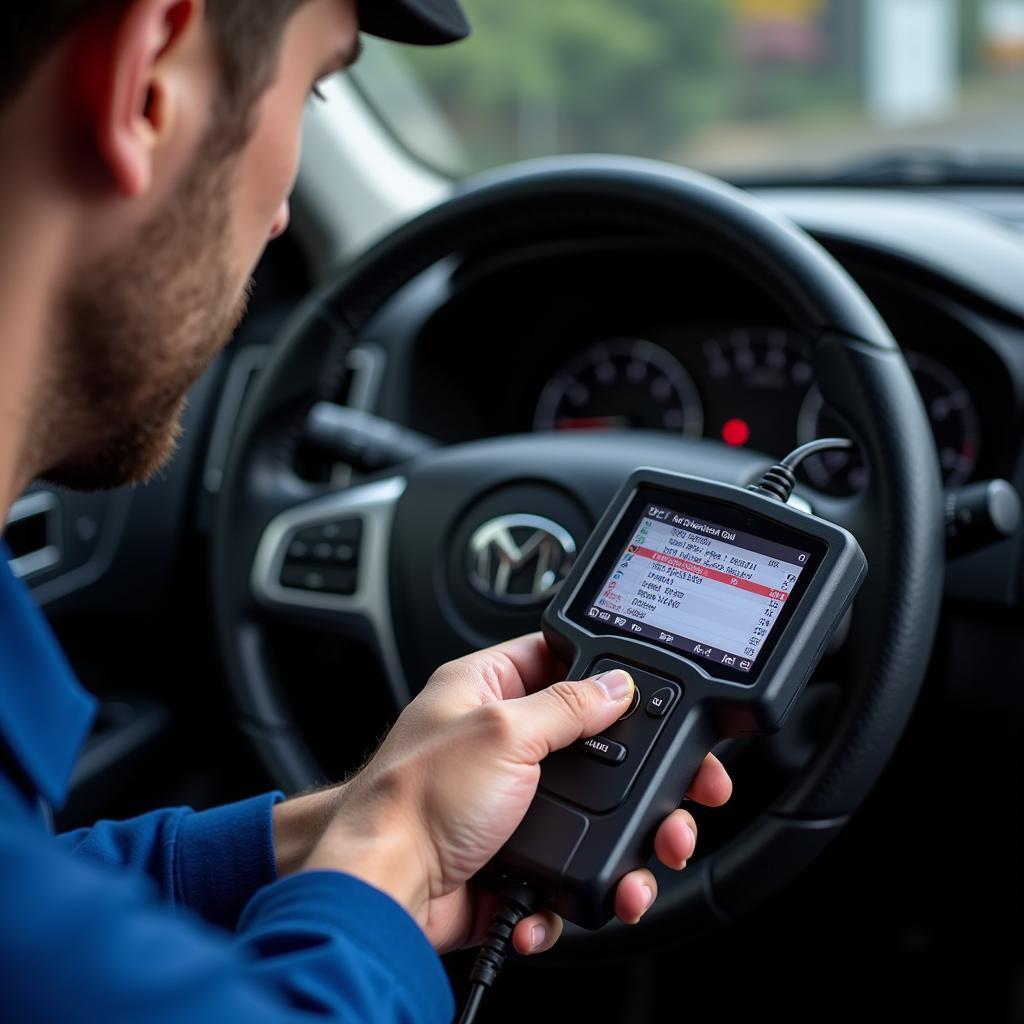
x: 692, y: 584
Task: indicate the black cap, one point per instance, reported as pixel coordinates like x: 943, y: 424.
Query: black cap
x: 421, y: 22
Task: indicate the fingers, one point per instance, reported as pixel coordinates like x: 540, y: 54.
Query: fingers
x: 676, y: 839
x: 525, y: 665
x: 560, y: 714
x: 634, y: 895
x: 711, y: 786
x: 537, y: 933
x: 506, y: 671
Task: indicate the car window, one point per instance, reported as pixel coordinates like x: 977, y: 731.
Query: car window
x: 733, y: 86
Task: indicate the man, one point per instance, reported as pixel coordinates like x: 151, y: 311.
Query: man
x: 148, y: 150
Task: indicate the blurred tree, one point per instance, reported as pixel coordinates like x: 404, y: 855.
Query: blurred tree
x: 971, y: 46
x: 571, y: 75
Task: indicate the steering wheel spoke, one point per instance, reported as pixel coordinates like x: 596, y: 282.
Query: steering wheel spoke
x: 324, y: 564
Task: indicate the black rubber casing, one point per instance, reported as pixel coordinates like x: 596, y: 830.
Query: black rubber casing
x: 581, y: 833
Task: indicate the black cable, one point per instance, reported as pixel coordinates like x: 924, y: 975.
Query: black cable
x: 473, y: 1001
x: 779, y: 481
x: 517, y: 901
x: 823, y: 444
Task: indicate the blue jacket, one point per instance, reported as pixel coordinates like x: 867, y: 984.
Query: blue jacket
x: 174, y: 916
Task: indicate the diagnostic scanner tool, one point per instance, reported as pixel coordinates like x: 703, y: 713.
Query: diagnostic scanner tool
x: 719, y: 602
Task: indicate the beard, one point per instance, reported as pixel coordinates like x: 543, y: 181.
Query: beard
x: 137, y: 331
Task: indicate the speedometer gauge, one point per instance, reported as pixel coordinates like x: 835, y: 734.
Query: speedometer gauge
x: 950, y: 409
x: 620, y: 383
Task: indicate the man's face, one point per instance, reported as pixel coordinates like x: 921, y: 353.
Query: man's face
x: 137, y: 329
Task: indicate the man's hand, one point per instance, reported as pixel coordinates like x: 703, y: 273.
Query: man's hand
x: 455, y: 777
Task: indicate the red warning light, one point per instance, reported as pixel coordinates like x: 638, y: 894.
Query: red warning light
x: 736, y: 432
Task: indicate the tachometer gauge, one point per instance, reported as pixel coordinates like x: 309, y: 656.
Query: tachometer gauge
x: 766, y: 358
x: 756, y: 380
x: 620, y: 383
x: 951, y: 412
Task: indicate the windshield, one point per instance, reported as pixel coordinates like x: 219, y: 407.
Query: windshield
x: 737, y: 87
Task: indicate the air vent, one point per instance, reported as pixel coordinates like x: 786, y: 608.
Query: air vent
x: 33, y: 533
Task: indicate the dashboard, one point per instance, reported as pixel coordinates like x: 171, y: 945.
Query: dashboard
x: 612, y: 334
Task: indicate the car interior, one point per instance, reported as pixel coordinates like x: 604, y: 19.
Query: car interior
x: 503, y: 290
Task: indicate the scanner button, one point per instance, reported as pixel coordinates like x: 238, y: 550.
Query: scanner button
x: 660, y: 702
x: 603, y: 749
x: 633, y: 704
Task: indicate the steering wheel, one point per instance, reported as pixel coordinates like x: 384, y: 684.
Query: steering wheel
x: 397, y: 543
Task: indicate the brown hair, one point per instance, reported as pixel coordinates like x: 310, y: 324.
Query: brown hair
x: 247, y: 34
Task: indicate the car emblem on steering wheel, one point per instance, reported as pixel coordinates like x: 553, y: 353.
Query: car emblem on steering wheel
x: 520, y: 559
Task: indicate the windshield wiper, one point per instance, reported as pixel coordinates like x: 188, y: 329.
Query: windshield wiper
x: 911, y: 167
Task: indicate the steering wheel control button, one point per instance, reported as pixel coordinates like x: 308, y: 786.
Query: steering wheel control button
x: 326, y: 581
x: 605, y: 750
x: 633, y: 704
x: 349, y: 531
x: 298, y: 551
x: 324, y: 558
x: 660, y: 702
x: 344, y: 554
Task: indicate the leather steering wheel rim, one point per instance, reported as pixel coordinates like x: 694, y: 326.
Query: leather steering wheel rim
x: 859, y: 370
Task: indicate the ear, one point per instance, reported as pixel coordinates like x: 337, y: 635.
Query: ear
x: 124, y: 79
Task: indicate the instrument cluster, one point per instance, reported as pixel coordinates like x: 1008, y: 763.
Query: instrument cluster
x: 747, y: 386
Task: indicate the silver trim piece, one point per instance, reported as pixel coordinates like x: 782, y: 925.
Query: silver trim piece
x: 38, y: 503
x: 365, y: 364
x: 241, y: 372
x: 374, y: 504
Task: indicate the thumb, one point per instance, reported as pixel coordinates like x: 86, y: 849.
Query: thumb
x: 563, y: 713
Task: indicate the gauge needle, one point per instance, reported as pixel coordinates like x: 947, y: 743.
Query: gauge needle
x: 592, y: 423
